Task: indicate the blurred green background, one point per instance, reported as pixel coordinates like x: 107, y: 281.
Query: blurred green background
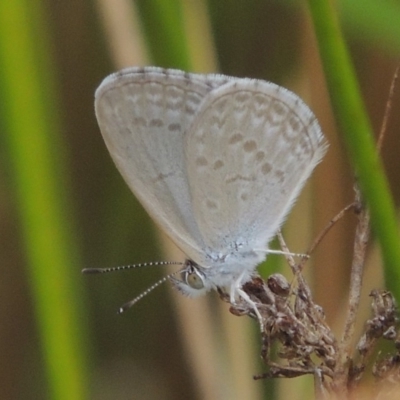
x: 64, y: 207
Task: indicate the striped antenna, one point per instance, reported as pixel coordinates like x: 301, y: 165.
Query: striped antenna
x: 125, y: 267
x: 129, y: 304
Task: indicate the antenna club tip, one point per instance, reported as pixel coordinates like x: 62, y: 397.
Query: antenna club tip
x: 91, y: 271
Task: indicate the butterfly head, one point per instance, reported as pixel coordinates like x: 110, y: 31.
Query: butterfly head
x: 193, y: 280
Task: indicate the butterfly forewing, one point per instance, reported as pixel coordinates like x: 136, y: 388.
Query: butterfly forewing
x: 143, y: 115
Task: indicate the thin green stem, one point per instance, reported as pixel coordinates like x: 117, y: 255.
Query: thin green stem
x: 29, y: 116
x: 358, y: 136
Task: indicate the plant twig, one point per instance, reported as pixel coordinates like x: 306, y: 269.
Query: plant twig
x: 388, y: 109
x: 357, y: 268
x: 356, y: 277
x: 327, y: 228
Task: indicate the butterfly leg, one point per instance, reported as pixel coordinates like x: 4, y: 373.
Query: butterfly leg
x: 236, y: 289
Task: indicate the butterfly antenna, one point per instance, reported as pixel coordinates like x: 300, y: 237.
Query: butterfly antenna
x: 129, y: 304
x: 125, y: 267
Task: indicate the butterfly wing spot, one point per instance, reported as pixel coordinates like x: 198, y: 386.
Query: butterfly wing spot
x: 295, y: 124
x: 261, y: 100
x: 173, y: 94
x: 175, y: 105
x: 177, y: 99
x: 201, y: 162
x: 280, y: 175
x: 155, y: 95
x: 193, y: 98
x: 235, y: 138
x: 218, y: 121
x: 190, y: 110
x: 278, y: 109
x: 174, y: 127
x: 156, y: 123
x: 305, y: 145
x: 140, y: 122
x: 250, y: 146
x: 212, y: 205
x: 237, y: 177
x: 244, y: 196
x: 218, y: 165
x: 266, y: 168
x: 260, y: 155
x: 260, y: 106
x: 162, y: 177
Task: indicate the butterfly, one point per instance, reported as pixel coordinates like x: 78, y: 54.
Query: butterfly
x: 216, y: 161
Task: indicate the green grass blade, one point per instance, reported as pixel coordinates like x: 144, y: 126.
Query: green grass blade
x: 374, y: 22
x: 31, y: 132
x: 358, y: 136
x: 165, y: 33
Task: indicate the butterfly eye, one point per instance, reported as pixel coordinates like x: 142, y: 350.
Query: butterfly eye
x: 194, y: 279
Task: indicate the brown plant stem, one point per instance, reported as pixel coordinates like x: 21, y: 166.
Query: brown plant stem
x: 357, y: 268
x: 388, y: 109
x: 324, y: 232
x: 356, y: 278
